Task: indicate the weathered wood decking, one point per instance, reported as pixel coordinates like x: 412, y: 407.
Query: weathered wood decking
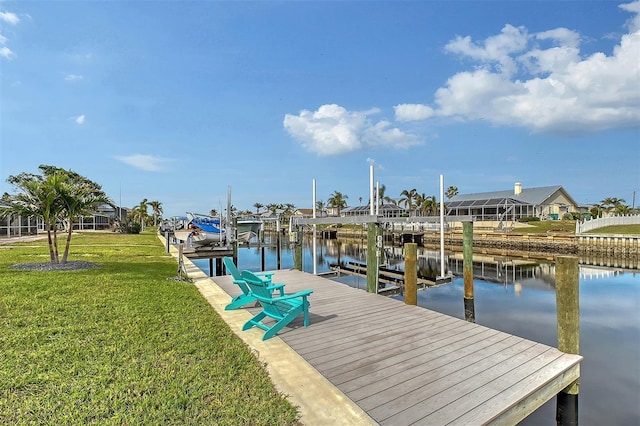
x: 409, y: 365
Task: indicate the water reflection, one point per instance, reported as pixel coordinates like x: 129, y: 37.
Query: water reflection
x: 517, y: 296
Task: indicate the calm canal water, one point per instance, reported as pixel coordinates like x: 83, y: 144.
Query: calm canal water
x: 517, y: 296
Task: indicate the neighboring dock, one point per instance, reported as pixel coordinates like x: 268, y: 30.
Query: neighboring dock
x: 405, y: 364
x: 391, y: 281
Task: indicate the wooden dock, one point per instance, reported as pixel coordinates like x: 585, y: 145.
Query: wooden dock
x: 391, y: 281
x: 408, y: 365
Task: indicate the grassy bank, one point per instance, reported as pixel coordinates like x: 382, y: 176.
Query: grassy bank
x: 122, y: 344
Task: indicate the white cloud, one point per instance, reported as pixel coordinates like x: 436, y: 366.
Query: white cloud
x: 551, y: 88
x: 73, y: 77
x: 632, y: 24
x: 9, y: 18
x: 411, y: 112
x: 12, y: 19
x: 150, y: 163
x: 333, y: 130
x: 5, y: 52
x: 495, y: 49
x: 79, y: 119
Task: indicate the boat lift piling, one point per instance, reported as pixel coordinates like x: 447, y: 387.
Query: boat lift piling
x: 467, y: 271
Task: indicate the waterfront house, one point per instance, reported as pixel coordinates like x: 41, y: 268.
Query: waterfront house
x: 17, y: 226
x: 545, y: 203
x: 384, y: 210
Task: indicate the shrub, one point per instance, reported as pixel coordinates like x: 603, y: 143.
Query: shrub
x: 530, y: 219
x: 129, y: 226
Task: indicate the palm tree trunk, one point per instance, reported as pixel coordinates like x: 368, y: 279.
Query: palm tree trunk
x: 51, y: 251
x: 55, y: 245
x: 67, y: 244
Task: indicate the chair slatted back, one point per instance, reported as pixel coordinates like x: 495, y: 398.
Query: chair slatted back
x: 237, y: 277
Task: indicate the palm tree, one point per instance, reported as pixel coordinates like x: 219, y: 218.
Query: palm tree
x: 213, y: 212
x: 320, y: 207
x: 419, y: 199
x: 38, y: 198
x: 452, y: 191
x: 258, y: 206
x: 428, y: 205
x: 56, y: 195
x: 407, y: 198
x: 381, y: 195
x: 79, y: 197
x: 611, y: 203
x: 141, y: 212
x: 274, y: 207
x: 337, y: 200
x: 156, y: 208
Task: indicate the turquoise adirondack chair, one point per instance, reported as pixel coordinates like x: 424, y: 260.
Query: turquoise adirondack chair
x: 283, y: 309
x: 246, y: 296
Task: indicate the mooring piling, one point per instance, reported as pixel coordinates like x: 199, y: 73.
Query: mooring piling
x: 374, y: 249
x: 411, y: 274
x: 467, y: 272
x: 568, y: 313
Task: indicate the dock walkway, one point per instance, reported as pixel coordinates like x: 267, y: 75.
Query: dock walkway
x: 408, y: 365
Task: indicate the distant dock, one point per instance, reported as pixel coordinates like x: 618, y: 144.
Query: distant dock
x: 390, y: 281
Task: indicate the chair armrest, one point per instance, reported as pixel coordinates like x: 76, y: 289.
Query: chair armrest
x: 279, y: 287
x: 302, y: 294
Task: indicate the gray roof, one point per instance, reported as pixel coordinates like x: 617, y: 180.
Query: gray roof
x: 533, y: 196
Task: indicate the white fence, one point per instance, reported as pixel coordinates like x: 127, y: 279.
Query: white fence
x: 601, y: 222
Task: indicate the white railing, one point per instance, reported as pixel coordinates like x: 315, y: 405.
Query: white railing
x: 588, y: 225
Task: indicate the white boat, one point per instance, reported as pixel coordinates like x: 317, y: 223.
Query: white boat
x: 202, y: 230
x: 248, y: 228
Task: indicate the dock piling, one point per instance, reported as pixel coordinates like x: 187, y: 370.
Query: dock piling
x: 297, y: 251
x: 568, y: 313
x: 374, y: 247
x: 411, y: 274
x: 467, y: 271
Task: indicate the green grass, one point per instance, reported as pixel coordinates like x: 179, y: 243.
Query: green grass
x: 122, y: 344
x: 568, y: 227
x: 544, y: 226
x: 617, y: 229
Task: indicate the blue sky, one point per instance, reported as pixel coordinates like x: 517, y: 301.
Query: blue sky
x: 176, y: 101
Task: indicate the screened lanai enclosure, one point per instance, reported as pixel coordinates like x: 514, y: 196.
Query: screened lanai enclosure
x: 491, y: 209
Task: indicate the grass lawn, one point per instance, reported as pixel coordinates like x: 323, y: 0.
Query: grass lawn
x: 569, y: 227
x: 544, y: 226
x: 122, y: 343
x: 617, y: 229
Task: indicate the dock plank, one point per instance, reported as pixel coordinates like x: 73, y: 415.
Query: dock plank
x: 406, y: 364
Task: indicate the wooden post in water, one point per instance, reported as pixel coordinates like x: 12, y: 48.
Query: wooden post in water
x: 411, y: 274
x: 235, y: 242
x: 297, y: 251
x: 568, y: 312
x: 374, y: 247
x: 211, y: 267
x: 467, y: 271
x: 220, y: 266
x: 278, y: 248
